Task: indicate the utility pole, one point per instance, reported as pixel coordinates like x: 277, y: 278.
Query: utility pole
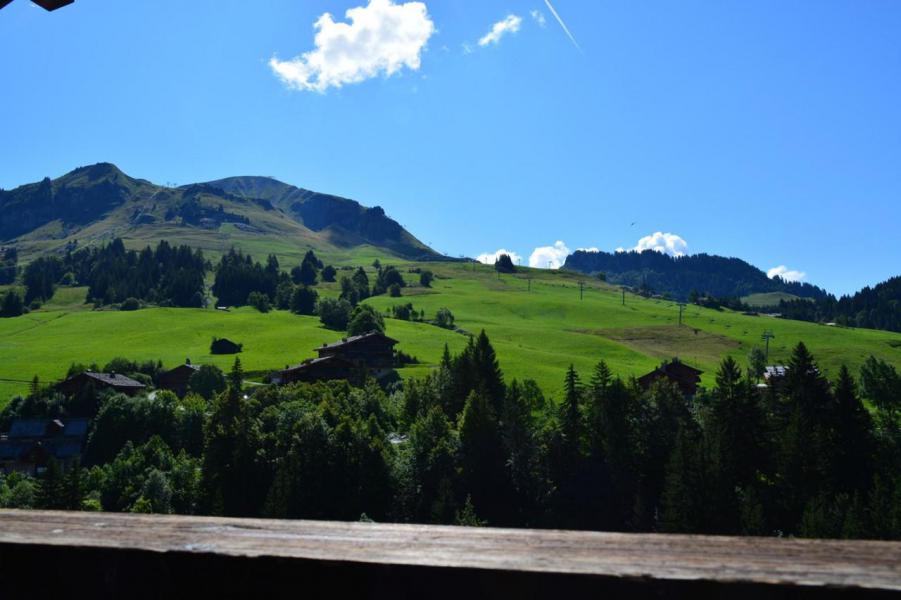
x: 530, y: 284
x: 681, y: 306
x: 766, y: 337
x: 624, y: 296
x: 581, y: 290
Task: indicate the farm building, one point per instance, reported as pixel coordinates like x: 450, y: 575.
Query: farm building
x: 177, y: 379
x: 224, y: 346
x: 352, y: 359
x: 113, y: 381
x: 31, y: 443
x: 319, y: 369
x: 677, y: 372
x: 373, y: 350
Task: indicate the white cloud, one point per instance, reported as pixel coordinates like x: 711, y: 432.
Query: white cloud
x: 786, y: 273
x: 538, y: 17
x: 549, y: 257
x: 380, y: 38
x: 592, y: 249
x: 488, y: 258
x: 509, y: 25
x: 665, y: 243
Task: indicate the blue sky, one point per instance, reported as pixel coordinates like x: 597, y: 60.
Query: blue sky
x: 765, y: 130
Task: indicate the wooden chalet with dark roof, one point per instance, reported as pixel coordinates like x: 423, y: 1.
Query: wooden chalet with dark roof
x: 373, y: 351
x: 319, y: 369
x: 31, y: 443
x: 677, y: 372
x: 113, y: 381
x: 177, y: 379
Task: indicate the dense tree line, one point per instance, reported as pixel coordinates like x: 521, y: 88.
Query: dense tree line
x: 163, y: 275
x: 238, y: 276
x: 462, y: 445
x: 715, y: 276
x: 877, y: 307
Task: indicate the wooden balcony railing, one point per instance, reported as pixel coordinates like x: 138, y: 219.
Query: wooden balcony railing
x: 45, y: 553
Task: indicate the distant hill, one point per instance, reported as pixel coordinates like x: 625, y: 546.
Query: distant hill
x: 877, y: 307
x: 99, y: 202
x: 679, y: 276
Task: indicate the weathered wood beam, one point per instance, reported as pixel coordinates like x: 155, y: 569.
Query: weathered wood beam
x: 724, y: 561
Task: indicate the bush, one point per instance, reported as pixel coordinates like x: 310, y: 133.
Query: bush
x: 403, y: 312
x: 365, y: 319
x: 328, y: 273
x: 12, y: 305
x: 207, y: 381
x: 444, y: 318
x: 387, y: 277
x: 130, y: 304
x: 303, y: 301
x: 425, y: 278
x: 334, y: 314
x: 259, y: 301
x: 394, y: 290
x: 283, y: 294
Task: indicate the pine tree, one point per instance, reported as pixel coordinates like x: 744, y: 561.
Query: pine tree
x: 482, y: 457
x: 685, y: 501
x: 73, y: 487
x: 489, y: 378
x: 49, y: 494
x: 571, y: 414
x: 854, y: 437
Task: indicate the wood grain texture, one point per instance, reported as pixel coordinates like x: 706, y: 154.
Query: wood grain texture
x: 837, y: 564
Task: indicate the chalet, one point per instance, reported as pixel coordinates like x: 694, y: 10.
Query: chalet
x: 112, y: 381
x: 31, y: 443
x: 177, y: 379
x: 319, y: 369
x: 224, y: 346
x: 677, y: 372
x: 373, y: 351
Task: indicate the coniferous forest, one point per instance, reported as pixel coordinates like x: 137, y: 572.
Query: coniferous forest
x: 807, y: 456
x: 165, y: 275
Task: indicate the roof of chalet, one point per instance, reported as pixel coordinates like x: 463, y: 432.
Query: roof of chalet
x: 18, y: 449
x: 357, y: 338
x: 191, y: 366
x: 36, y: 428
x: 114, y: 379
x: 674, y: 368
x: 317, y: 361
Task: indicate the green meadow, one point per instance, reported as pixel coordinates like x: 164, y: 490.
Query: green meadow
x: 537, y: 327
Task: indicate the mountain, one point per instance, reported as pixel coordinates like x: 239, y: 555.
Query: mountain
x: 341, y: 220
x: 679, y: 276
x: 97, y: 203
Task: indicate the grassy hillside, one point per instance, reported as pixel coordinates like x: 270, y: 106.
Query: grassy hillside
x: 537, y: 334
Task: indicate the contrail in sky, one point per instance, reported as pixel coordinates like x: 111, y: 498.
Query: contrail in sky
x: 550, y: 7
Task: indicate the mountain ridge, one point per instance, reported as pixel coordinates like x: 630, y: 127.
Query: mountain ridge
x: 95, y: 203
